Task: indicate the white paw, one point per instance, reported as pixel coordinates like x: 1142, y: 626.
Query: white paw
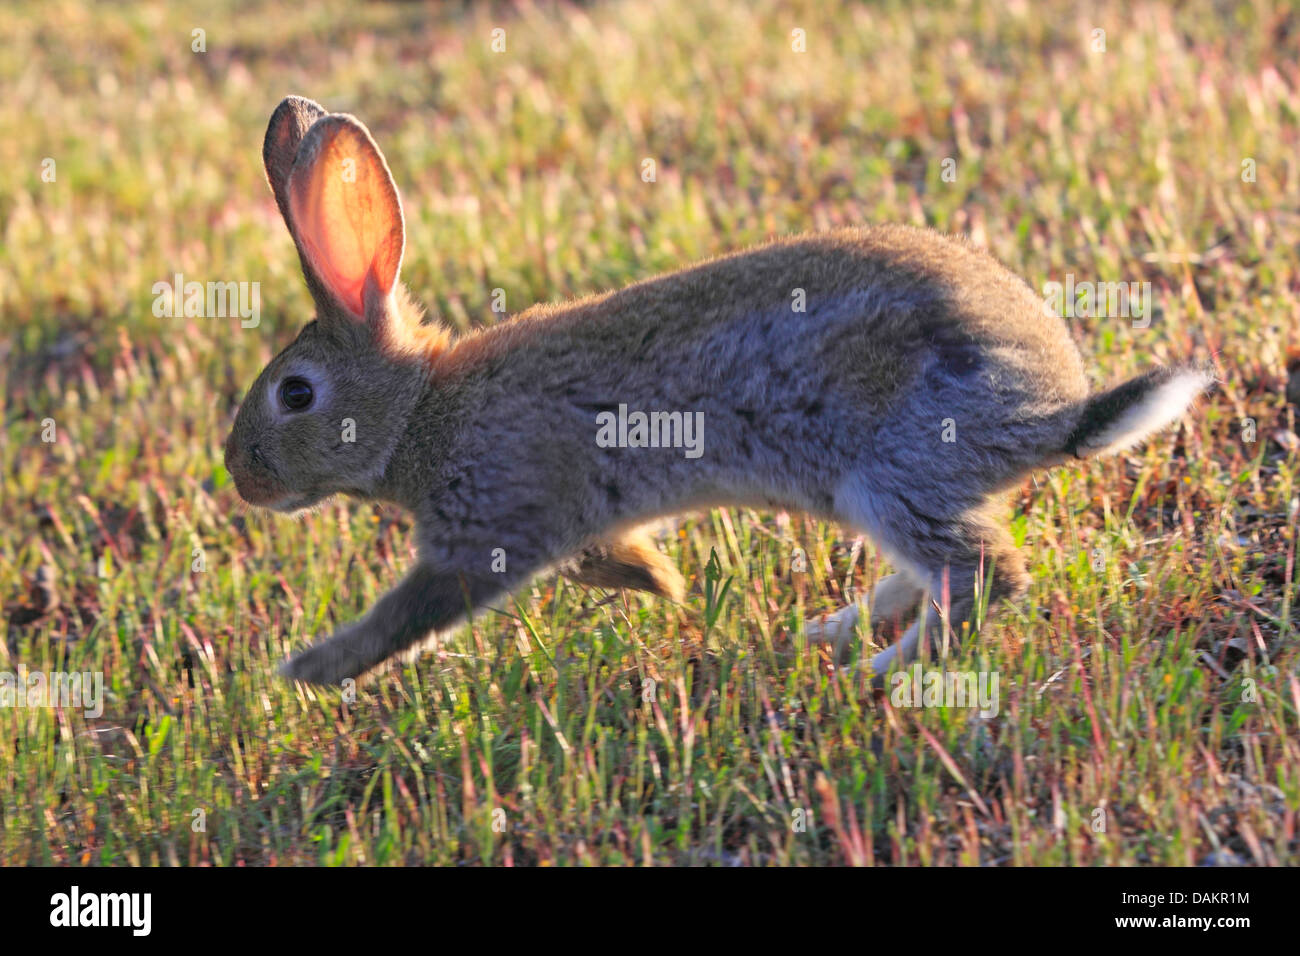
x: 836, y: 627
x: 895, y: 599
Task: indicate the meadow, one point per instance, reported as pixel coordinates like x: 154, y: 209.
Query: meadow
x: 1149, y: 684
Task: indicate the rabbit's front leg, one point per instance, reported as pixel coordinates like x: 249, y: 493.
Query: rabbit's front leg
x: 426, y: 600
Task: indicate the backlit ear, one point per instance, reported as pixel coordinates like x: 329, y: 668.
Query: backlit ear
x: 346, y: 217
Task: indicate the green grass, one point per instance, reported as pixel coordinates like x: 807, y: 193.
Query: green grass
x: 1150, y: 675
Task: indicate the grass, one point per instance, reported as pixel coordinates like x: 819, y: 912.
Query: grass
x: 1149, y: 686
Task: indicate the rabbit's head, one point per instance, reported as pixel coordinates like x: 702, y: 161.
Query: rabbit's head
x: 326, y: 413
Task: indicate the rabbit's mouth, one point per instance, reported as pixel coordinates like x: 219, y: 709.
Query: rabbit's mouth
x: 294, y: 503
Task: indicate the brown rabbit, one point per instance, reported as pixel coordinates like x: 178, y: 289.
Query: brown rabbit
x: 918, y: 381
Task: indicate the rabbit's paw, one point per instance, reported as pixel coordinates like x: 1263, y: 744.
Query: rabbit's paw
x: 837, y: 627
x: 328, y: 662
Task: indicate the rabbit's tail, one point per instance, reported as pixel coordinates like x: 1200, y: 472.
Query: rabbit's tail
x: 1126, y: 414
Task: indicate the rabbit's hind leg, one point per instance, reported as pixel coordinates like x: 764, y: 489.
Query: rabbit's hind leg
x: 945, y: 540
x: 893, y: 600
x: 958, y: 553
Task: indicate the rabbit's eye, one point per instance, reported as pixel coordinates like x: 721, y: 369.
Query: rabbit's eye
x: 295, y: 393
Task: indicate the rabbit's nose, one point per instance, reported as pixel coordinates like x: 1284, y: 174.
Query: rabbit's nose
x: 233, y: 457
x: 243, y: 463
x: 239, y: 458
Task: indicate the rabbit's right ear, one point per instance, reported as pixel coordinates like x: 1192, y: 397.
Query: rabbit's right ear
x: 341, y: 206
x: 346, y: 218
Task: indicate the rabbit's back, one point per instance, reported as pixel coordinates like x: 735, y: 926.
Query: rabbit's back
x: 866, y: 308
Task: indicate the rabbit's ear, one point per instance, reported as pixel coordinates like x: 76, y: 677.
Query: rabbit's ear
x: 289, y: 124
x: 346, y: 218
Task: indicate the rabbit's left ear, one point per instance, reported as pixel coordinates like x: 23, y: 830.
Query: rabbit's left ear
x: 346, y: 218
x: 284, y: 134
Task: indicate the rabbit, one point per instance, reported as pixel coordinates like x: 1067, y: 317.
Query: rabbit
x: 888, y: 378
